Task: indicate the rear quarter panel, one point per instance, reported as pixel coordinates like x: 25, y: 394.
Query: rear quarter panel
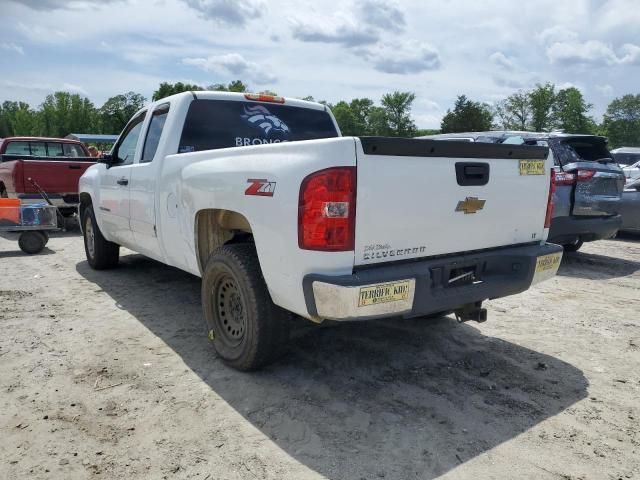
x: 218, y: 179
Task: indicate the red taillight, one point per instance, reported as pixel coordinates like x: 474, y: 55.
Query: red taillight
x: 261, y: 97
x: 552, y: 189
x: 327, y: 210
x: 563, y: 178
x: 585, y: 175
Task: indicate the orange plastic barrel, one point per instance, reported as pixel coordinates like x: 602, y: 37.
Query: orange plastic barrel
x: 10, y: 210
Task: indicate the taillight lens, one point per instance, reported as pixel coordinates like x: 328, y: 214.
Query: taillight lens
x: 585, y: 175
x: 327, y: 210
x: 552, y: 189
x: 563, y: 178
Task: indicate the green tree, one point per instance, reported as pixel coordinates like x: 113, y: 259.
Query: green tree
x: 622, y: 121
x: 570, y: 112
x: 467, y: 116
x: 166, y: 89
x: 63, y: 113
x: 237, y: 86
x: 514, y: 111
x: 117, y: 110
x: 17, y: 118
x: 542, y: 100
x: 344, y: 116
x: 397, y: 108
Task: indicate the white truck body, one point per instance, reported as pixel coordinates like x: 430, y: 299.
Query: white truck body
x: 410, y: 207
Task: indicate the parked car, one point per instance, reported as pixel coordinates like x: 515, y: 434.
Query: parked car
x: 630, y: 207
x: 257, y: 195
x: 589, y: 183
x: 53, y: 164
x: 632, y: 171
x: 626, y: 156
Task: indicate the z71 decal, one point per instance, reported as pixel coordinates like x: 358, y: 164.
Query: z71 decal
x: 260, y: 187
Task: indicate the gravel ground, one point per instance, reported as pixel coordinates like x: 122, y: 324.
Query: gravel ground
x: 110, y: 375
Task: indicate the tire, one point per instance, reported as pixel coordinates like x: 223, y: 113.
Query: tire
x: 247, y: 329
x: 101, y: 253
x: 32, y: 242
x: 573, y: 247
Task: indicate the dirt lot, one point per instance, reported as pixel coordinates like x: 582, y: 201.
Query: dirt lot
x: 109, y: 375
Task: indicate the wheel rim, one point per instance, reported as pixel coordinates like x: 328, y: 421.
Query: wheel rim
x: 90, y: 237
x: 230, y: 310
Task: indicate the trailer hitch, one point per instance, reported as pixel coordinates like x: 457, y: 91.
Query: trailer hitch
x: 471, y: 311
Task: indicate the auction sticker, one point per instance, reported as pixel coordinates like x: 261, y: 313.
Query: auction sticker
x: 531, y: 167
x: 384, y: 293
x: 548, y: 262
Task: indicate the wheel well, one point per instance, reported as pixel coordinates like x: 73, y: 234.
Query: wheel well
x: 2, y: 187
x: 85, y: 201
x: 216, y: 227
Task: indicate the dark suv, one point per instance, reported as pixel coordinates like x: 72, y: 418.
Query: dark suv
x: 589, y: 183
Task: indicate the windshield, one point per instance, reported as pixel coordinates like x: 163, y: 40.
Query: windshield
x: 212, y: 124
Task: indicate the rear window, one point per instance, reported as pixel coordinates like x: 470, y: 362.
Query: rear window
x: 212, y: 124
x: 581, y: 150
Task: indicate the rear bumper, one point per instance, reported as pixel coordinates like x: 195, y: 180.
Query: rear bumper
x: 565, y: 230
x: 429, y: 286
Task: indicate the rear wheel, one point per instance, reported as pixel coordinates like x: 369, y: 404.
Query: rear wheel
x: 247, y: 329
x: 101, y: 253
x: 32, y: 242
x: 573, y: 247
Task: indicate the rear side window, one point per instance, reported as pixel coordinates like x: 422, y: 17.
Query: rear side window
x: 212, y: 124
x: 38, y: 149
x: 73, y: 150
x: 54, y: 149
x: 18, y: 148
x: 154, y: 132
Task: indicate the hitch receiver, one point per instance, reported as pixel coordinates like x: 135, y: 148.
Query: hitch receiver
x: 471, y: 311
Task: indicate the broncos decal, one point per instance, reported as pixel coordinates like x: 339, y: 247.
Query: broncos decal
x: 261, y: 117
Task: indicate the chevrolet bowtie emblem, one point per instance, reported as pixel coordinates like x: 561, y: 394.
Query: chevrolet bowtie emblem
x: 470, y: 205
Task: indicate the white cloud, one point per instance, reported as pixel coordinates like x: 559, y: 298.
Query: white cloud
x: 500, y: 59
x: 231, y: 12
x: 592, y: 52
x: 555, y: 34
x: 403, y: 58
x: 12, y: 47
x: 70, y: 87
x: 233, y: 64
x: 383, y: 14
x: 342, y: 29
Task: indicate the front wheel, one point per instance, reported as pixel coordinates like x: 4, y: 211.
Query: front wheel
x: 32, y: 242
x: 247, y: 329
x: 101, y: 253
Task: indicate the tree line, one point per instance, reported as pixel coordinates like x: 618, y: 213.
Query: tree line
x: 540, y: 109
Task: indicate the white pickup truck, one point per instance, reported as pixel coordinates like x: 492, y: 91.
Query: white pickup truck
x: 261, y: 197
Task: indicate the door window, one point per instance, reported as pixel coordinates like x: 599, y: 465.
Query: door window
x: 126, y: 149
x: 54, y: 149
x: 154, y: 132
x: 73, y: 150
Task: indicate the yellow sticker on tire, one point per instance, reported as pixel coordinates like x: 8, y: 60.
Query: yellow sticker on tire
x: 384, y: 293
x: 531, y: 167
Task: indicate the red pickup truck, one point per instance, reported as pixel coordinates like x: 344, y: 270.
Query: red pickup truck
x: 54, y: 164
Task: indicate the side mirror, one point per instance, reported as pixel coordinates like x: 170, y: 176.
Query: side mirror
x: 106, y: 158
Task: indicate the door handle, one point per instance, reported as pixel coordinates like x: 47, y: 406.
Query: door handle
x: 122, y: 181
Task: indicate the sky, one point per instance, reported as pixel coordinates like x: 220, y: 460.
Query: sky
x: 331, y: 50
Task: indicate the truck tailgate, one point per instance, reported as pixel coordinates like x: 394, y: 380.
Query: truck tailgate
x: 54, y: 176
x: 419, y: 198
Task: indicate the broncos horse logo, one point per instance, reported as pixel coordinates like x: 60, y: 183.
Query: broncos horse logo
x: 261, y: 117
